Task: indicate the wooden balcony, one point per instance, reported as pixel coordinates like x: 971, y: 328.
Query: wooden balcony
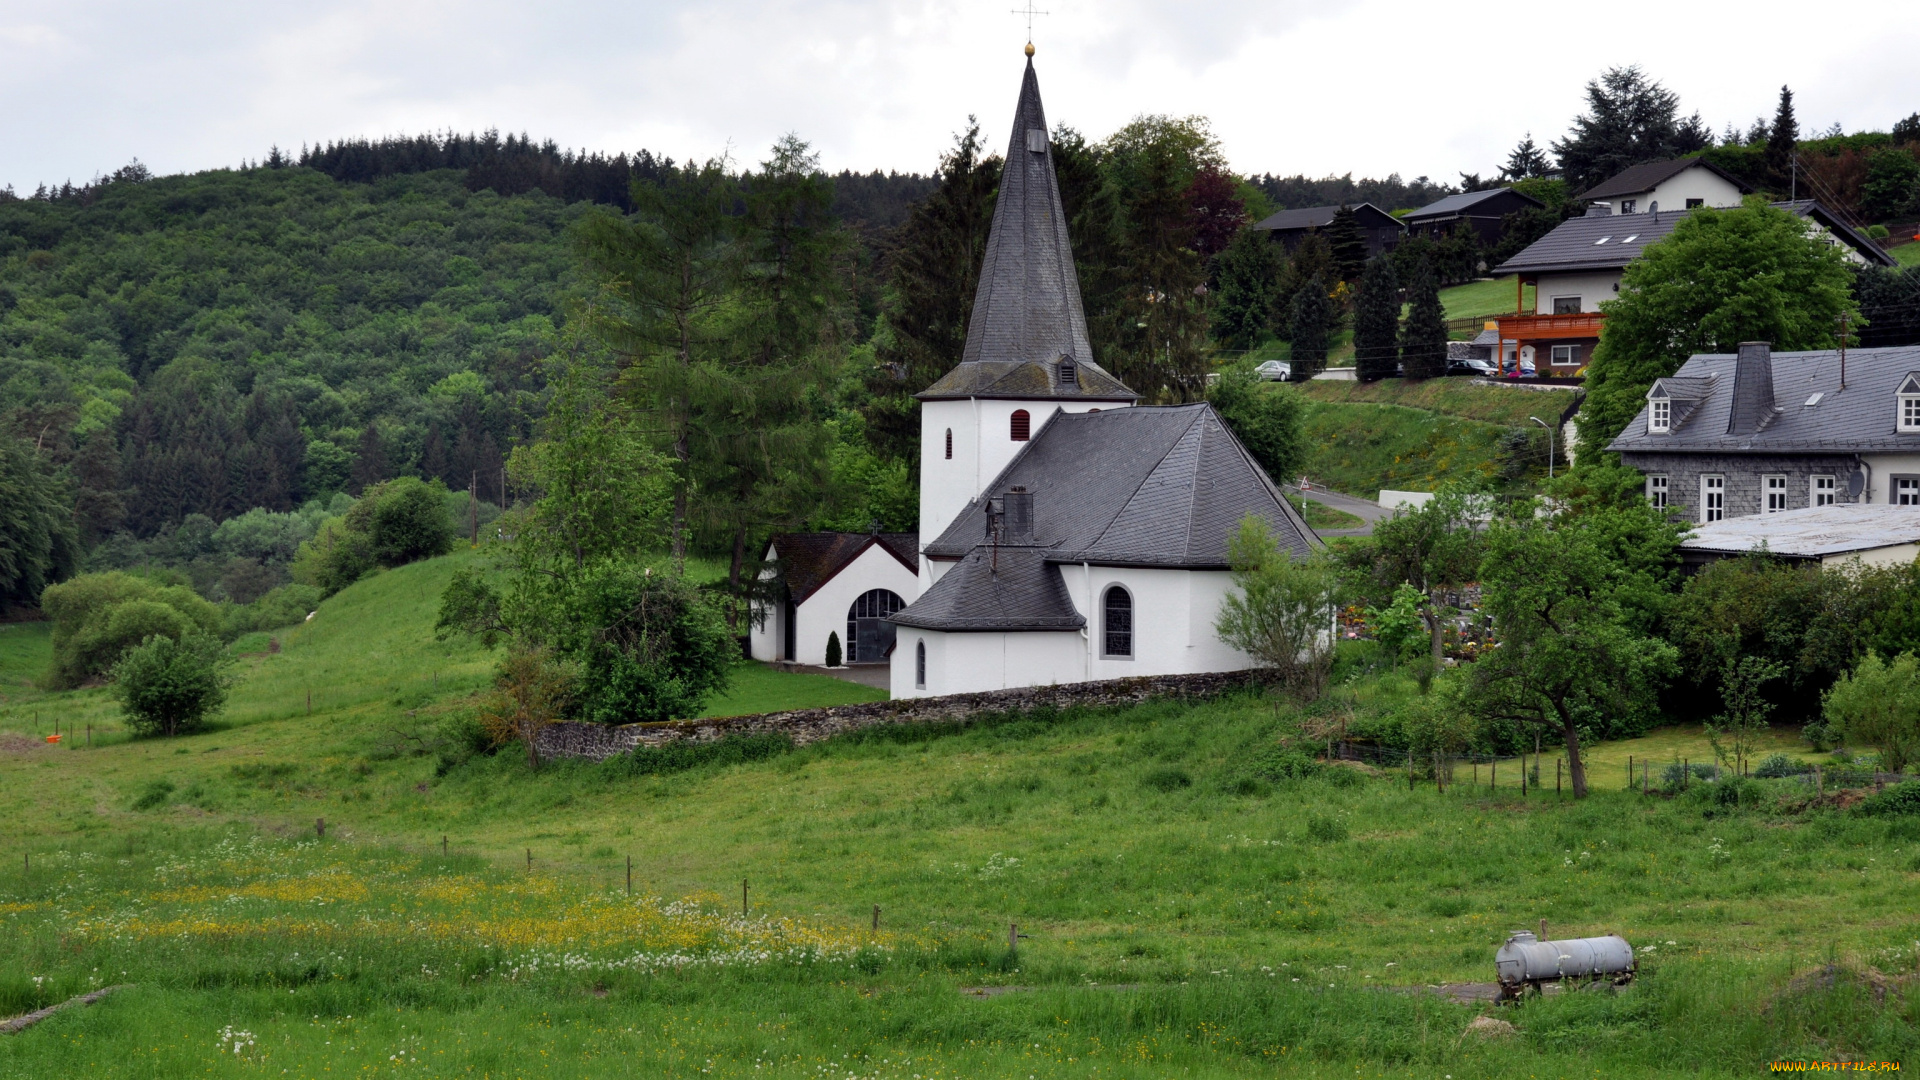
x: 1528, y: 328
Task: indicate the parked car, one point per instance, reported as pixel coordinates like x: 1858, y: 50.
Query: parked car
x: 1472, y: 366
x: 1275, y: 371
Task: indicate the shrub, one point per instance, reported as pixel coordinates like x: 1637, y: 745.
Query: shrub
x: 1898, y: 799
x: 405, y: 520
x: 1731, y: 793
x: 1879, y: 703
x: 336, y: 557
x: 167, y: 686
x: 833, y: 649
x: 1780, y: 765
x: 1326, y: 830
x: 649, y: 646
x: 684, y: 754
x: 1286, y: 763
x: 154, y: 794
x: 98, y: 617
x: 287, y: 605
x: 1166, y: 779
x: 1672, y: 774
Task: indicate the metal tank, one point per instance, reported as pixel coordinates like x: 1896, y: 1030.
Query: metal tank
x: 1526, y: 961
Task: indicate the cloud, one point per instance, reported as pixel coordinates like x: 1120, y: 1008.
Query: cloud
x: 1370, y: 86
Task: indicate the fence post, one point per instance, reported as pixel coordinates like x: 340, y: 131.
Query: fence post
x: 743, y: 898
x: 529, y: 860
x: 629, y: 875
x: 319, y: 828
x: 1629, y: 772
x: 1556, y: 776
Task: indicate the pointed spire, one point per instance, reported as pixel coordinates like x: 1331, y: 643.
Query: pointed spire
x: 1026, y: 310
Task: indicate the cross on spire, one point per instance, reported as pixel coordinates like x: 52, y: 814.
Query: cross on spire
x: 1029, y: 11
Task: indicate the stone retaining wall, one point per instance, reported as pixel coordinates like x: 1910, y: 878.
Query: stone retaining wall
x: 597, y: 741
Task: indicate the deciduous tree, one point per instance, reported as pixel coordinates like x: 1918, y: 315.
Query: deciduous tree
x: 1281, y: 610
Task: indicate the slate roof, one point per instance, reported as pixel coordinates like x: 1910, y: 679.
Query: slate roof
x: 810, y: 560
x: 1026, y: 308
x: 1651, y: 174
x: 1015, y: 588
x: 1149, y: 486
x: 1466, y: 200
x: 1317, y: 217
x: 1859, y: 419
x: 1811, y: 533
x: 1611, y: 241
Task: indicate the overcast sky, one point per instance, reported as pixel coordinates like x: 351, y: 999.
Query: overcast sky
x: 1368, y: 86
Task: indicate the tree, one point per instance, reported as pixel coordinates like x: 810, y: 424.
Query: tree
x: 1309, y: 326
x: 1217, y: 211
x: 369, y: 460
x: 1376, y: 323
x: 1720, y: 278
x: 1630, y: 119
x: 38, y: 542
x: 1878, y: 703
x: 1738, y: 730
x: 1280, y: 611
x: 168, y: 687
x: 1348, y: 244
x: 1783, y: 136
x: 1161, y: 313
x: 98, y: 617
x: 1265, y: 418
x: 1892, y: 186
x: 1889, y: 305
x: 1570, y: 658
x: 1907, y: 130
x: 1525, y: 162
x: 1436, y: 548
x: 530, y: 692
x: 833, y: 648
x: 1247, y: 273
x: 666, y: 306
x: 1423, y: 340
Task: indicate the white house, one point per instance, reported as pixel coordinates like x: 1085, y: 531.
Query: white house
x: 1065, y: 533
x: 1677, y: 184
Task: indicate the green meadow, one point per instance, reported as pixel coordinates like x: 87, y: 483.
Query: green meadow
x: 1184, y: 909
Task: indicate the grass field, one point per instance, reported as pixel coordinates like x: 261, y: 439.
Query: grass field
x: 1478, y: 299
x: 1186, y: 915
x: 1359, y: 448
x: 1464, y: 398
x: 1907, y: 254
x: 1322, y: 517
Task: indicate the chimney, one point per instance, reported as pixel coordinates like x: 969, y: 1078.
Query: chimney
x: 1019, y: 528
x: 1752, y: 388
x: 1599, y: 209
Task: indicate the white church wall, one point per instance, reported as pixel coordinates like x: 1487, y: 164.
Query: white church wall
x: 766, y: 631
x: 825, y: 611
x: 965, y: 663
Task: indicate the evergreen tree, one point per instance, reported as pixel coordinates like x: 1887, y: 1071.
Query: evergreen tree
x: 1376, y: 323
x: 1092, y: 206
x: 668, y: 280
x: 1309, y: 327
x: 38, y: 545
x: 1892, y: 187
x: 99, y: 507
x: 1248, y: 272
x: 1311, y: 259
x: 1526, y: 162
x: 1782, y: 137
x: 1423, y: 340
x: 369, y: 460
x: 1630, y: 119
x: 433, y: 459
x: 936, y: 267
x: 1889, y: 305
x: 1162, y: 314
x: 1348, y: 244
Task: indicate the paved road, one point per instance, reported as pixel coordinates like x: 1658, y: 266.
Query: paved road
x: 1369, y: 512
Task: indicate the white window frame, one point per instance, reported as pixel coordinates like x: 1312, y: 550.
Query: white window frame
x: 1660, y: 416
x: 1910, y: 412
x: 1904, y: 490
x: 1773, y: 493
x: 1577, y: 305
x: 1713, y: 498
x: 1553, y: 356
x: 1823, y: 490
x: 1629, y: 206
x: 1658, y: 487
x: 1133, y: 624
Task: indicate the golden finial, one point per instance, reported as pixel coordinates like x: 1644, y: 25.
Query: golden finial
x: 1029, y: 50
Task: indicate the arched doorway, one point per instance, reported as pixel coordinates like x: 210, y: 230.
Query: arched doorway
x: 869, y: 634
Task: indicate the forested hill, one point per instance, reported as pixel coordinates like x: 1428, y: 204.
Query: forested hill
x: 215, y: 342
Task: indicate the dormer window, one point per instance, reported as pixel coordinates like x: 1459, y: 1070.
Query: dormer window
x: 1660, y: 416
x: 1628, y: 206
x: 1909, y: 398
x: 1069, y: 372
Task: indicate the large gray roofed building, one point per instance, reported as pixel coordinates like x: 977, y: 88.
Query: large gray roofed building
x: 1802, y: 409
x: 1651, y: 174
x: 1160, y: 486
x: 1026, y: 311
x: 1602, y: 241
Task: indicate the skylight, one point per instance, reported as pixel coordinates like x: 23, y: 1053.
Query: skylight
x: 1631, y: 239
x: 1814, y: 400
x: 1602, y: 240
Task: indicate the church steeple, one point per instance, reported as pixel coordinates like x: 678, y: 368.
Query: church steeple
x: 1027, y: 315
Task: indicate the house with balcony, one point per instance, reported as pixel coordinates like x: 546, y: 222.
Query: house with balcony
x: 1578, y: 266
x: 1760, y: 432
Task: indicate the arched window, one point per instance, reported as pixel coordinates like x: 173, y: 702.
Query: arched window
x: 1069, y: 372
x: 1022, y: 426
x: 949, y: 444
x: 1117, y: 623
x: 869, y: 635
x: 920, y: 665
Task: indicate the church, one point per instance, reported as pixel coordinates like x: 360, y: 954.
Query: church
x: 1067, y: 533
